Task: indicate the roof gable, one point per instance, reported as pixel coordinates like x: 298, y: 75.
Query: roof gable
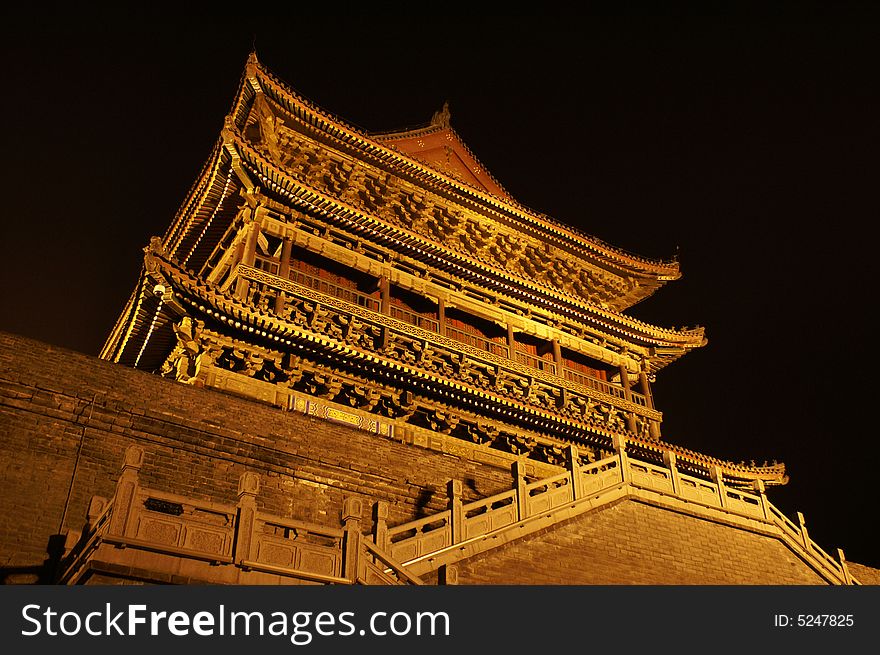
x: 439, y: 146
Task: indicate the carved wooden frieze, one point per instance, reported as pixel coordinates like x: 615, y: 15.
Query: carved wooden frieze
x: 442, y: 355
x: 436, y: 219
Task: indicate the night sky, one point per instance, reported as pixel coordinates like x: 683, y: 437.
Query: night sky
x: 748, y: 148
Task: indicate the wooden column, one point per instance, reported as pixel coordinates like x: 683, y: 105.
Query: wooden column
x: 283, y: 271
x: 250, y: 248
x: 441, y: 315
x: 286, y: 249
x: 240, y: 246
x: 557, y: 355
x: 385, y: 306
x: 624, y: 382
x: 627, y: 395
x: 646, y: 390
x: 384, y: 295
x: 248, y: 257
x: 653, y: 426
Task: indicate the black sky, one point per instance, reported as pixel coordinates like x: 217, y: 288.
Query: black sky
x: 749, y: 147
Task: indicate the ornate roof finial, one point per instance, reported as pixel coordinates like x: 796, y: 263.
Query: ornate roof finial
x: 441, y: 118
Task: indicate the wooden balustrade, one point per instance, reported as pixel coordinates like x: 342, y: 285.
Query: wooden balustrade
x: 413, y: 318
x: 535, y: 362
x: 343, y: 293
x: 477, y: 341
x: 266, y: 296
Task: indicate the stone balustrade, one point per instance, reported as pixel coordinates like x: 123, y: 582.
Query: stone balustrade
x: 142, y: 520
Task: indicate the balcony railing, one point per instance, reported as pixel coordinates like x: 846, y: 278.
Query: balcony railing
x: 536, y: 362
x: 412, y: 318
x: 433, y: 325
x: 477, y: 341
x: 343, y: 293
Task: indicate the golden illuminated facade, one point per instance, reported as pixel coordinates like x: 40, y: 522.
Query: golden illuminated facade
x: 390, y: 283
x: 393, y: 274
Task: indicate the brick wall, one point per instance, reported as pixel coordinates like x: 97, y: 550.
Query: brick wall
x: 635, y: 543
x: 864, y: 574
x: 67, y: 418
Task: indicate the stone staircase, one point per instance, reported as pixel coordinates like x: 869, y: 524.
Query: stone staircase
x: 164, y: 537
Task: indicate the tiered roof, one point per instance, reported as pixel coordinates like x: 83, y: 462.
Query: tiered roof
x: 417, y: 196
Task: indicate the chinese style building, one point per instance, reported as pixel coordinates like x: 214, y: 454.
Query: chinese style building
x: 418, y: 345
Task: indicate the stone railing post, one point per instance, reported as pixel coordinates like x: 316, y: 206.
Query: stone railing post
x: 847, y: 578
x: 519, y: 477
x: 454, y: 491
x: 447, y: 574
x: 805, y: 536
x: 619, y: 444
x: 760, y: 489
x: 669, y: 459
x: 97, y: 505
x: 352, y: 510
x: 126, y: 491
x: 573, y: 462
x: 718, y: 479
x: 380, y: 524
x: 246, y: 520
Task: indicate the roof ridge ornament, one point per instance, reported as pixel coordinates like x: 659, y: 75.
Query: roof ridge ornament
x: 441, y: 118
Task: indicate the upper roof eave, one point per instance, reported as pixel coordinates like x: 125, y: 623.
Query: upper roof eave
x: 263, y: 80
x: 668, y: 337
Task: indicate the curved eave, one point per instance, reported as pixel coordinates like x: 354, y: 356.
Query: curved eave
x: 207, y: 212
x: 148, y: 336
x: 274, y: 179
x: 251, y: 322
x: 337, y: 129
